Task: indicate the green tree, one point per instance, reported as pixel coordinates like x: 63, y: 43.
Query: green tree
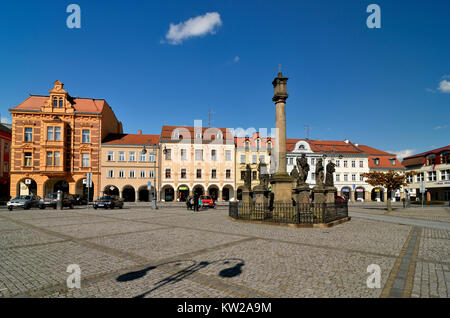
x: 391, y: 181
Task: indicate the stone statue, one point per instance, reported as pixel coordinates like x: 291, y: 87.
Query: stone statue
x: 303, y: 169
x: 248, y: 177
x: 263, y: 176
x: 329, y: 181
x: 295, y: 175
x: 319, y: 173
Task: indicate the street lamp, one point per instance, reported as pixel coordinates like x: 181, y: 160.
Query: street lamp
x: 155, y: 207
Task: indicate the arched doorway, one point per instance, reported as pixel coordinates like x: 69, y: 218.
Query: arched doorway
x: 82, y: 189
x: 26, y: 186
x: 111, y: 190
x: 227, y: 193
x: 346, y: 191
x: 167, y: 193
x: 198, y: 190
x: 182, y: 193
x: 143, y: 194
x: 213, y: 191
x: 62, y: 185
x: 359, y: 194
x: 377, y: 195
x: 128, y: 194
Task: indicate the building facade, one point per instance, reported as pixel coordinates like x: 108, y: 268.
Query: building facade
x: 56, y: 141
x: 433, y: 168
x: 129, y: 163
x: 5, y: 164
x: 197, y: 160
x: 251, y: 150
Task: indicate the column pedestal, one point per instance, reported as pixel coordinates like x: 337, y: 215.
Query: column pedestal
x: 282, y: 187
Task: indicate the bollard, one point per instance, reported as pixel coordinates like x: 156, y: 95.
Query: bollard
x: 59, y: 205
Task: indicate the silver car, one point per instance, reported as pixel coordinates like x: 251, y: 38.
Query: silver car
x: 24, y: 202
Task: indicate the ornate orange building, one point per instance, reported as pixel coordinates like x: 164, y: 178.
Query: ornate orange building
x: 56, y: 141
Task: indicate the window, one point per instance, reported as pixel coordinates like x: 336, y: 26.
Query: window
x: 313, y: 175
x: 110, y: 156
x: 409, y: 179
x: 345, y: 163
x: 361, y: 178
x: 345, y: 177
x: 269, y: 145
x: 198, y: 154
x: 353, y: 177
x: 151, y: 157
x: 376, y: 161
x: 142, y: 157
x: 219, y: 135
x: 49, y: 161
x: 420, y: 177
x: 361, y: 164
x: 338, y: 177
x: 121, y: 155
x: 242, y: 175
x: 254, y: 158
x: 213, y: 174
x: 176, y: 134
x: 228, y: 174
x: 393, y: 161
x: 242, y: 158
x: 142, y: 174
x: 198, y: 135
x: 228, y: 155
x: 445, y: 175
x: 132, y: 156
x: 132, y: 174
x: 247, y: 144
x: 258, y: 143
x: 27, y: 159
x: 121, y: 174
x: 168, y: 154
x: 28, y: 134
x: 61, y: 102
x: 183, y: 154
x: 199, y: 173
x: 55, y: 102
x: 49, y: 133
x: 183, y: 173
x: 85, y: 160
x: 213, y: 155
x: 313, y: 161
x: 58, y: 133
x: 254, y: 175
x: 338, y: 163
x: 353, y: 163
x: 167, y: 173
x: 151, y: 174
x: 56, y: 158
x: 432, y: 176
x: 110, y: 173
x: 262, y: 159
x: 291, y: 161
x: 86, y: 134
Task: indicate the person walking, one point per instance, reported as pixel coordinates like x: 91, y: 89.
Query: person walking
x: 195, y: 202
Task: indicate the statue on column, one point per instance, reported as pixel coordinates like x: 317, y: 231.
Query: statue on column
x: 295, y: 175
x: 329, y: 181
x: 319, y: 173
x: 263, y: 176
x: 248, y: 177
x: 303, y: 169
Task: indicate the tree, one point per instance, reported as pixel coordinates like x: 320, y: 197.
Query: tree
x: 391, y: 181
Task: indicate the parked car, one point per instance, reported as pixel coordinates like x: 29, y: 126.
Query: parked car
x: 340, y: 199
x: 80, y: 199
x: 207, y: 201
x: 23, y: 201
x: 108, y: 202
x: 51, y: 200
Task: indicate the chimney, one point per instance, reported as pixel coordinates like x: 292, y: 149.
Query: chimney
x: 140, y: 132
x: 346, y: 141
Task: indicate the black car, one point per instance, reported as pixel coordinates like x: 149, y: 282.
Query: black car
x: 79, y: 199
x: 51, y: 199
x: 108, y: 202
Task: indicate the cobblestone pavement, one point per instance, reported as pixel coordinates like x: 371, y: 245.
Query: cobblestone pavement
x: 171, y: 252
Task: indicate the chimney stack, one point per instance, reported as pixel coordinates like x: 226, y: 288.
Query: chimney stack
x: 140, y: 132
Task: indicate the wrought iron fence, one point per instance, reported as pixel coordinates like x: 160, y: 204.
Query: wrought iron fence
x: 301, y: 213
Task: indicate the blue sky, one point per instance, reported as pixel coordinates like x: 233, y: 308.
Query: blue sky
x: 377, y: 87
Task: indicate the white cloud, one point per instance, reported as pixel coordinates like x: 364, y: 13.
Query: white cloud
x: 444, y: 86
x: 441, y: 127
x: 236, y: 59
x: 403, y: 153
x: 197, y: 26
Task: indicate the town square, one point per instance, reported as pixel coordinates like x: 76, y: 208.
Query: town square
x: 210, y: 151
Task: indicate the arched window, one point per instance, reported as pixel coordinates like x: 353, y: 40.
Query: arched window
x: 301, y: 147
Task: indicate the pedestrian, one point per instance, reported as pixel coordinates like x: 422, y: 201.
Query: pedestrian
x: 188, y: 203
x: 195, y: 202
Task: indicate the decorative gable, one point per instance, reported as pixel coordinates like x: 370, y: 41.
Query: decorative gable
x: 59, y: 100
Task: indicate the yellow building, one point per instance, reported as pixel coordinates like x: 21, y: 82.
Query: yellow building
x: 251, y: 150
x: 127, y: 169
x: 56, y: 142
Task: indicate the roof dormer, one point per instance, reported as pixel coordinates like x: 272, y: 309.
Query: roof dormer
x: 59, y: 100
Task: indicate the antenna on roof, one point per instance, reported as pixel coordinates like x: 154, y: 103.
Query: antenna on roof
x: 210, y: 113
x: 279, y: 68
x: 307, y: 128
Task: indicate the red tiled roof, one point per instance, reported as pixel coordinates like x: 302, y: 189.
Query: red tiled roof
x: 385, y: 162
x: 240, y: 141
x: 372, y: 151
x: 88, y: 105
x: 131, y: 139
x: 166, y: 132
x: 434, y: 151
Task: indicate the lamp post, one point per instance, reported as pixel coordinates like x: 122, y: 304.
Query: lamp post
x: 155, y: 207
